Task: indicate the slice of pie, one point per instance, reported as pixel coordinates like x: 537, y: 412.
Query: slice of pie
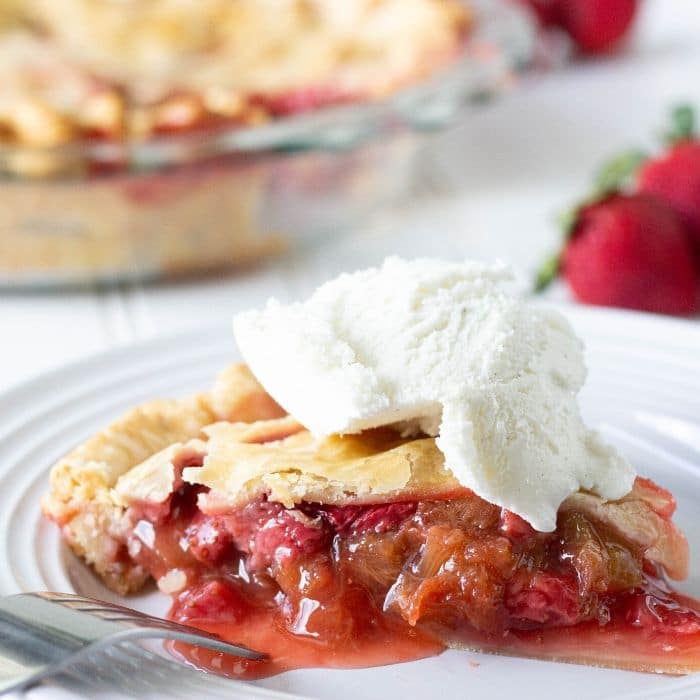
x: 363, y: 549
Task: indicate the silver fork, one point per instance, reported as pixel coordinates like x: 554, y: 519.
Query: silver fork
x: 42, y: 634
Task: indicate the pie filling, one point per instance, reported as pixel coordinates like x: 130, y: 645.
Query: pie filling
x: 361, y: 585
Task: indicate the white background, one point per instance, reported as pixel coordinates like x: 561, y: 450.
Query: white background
x: 490, y: 188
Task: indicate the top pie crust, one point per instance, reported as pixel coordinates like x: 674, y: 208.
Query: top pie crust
x: 281, y: 460
x: 376, y: 466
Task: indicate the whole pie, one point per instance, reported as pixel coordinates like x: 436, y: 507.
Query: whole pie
x: 363, y: 549
x: 100, y: 69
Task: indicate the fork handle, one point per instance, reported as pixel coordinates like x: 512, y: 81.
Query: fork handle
x: 36, y: 639
x: 25, y: 655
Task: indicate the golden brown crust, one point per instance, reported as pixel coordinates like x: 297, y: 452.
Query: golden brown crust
x: 238, y: 397
x: 81, y: 499
x: 281, y: 460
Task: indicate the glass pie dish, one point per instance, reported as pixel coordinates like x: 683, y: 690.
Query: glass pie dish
x: 96, y: 211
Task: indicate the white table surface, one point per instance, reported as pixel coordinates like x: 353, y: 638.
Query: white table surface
x: 489, y: 188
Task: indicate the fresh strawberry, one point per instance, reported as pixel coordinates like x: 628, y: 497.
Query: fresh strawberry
x: 631, y: 251
x: 547, y: 11
x: 596, y: 26
x: 675, y: 178
x: 675, y: 175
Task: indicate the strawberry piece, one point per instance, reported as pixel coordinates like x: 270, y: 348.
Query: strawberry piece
x: 380, y: 518
x: 208, y: 540
x: 675, y: 178
x: 270, y: 533
x: 547, y: 599
x: 210, y: 600
x: 513, y: 526
x: 657, y: 609
x: 596, y: 26
x: 632, y: 251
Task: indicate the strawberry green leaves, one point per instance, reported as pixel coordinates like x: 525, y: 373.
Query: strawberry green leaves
x: 683, y: 125
x: 617, y: 173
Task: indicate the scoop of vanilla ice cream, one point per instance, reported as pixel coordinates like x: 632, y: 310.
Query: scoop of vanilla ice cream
x: 442, y: 348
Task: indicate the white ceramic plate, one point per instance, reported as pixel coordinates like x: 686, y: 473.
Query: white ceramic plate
x: 643, y: 393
